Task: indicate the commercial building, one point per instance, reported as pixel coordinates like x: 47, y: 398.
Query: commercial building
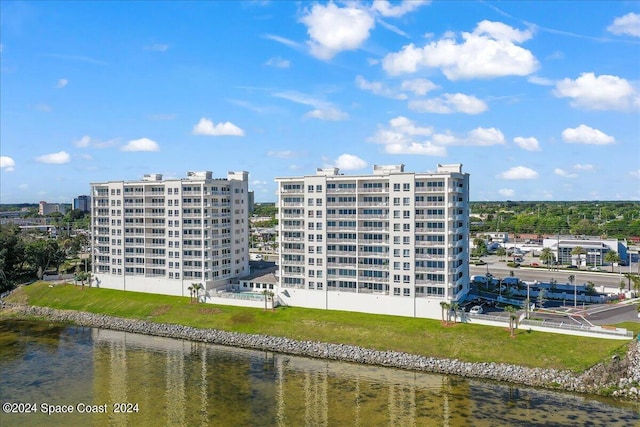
x: 594, y: 249
x: 82, y: 203
x: 392, y: 242
x: 45, y: 208
x: 162, y: 236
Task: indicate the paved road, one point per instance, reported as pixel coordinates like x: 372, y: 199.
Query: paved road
x: 611, y: 281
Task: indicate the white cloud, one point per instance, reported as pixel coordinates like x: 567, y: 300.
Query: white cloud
x: 485, y: 137
x: 529, y: 144
x: 142, y: 144
x: 323, y: 110
x: 257, y: 182
x: 604, y: 92
x: 378, y: 88
x: 627, y: 24
x: 87, y: 141
x: 23, y: 187
x: 349, y: 162
x: 332, y: 114
x: 449, y: 103
x: 61, y: 83
x: 157, y: 47
x: 401, y: 138
x: 44, y: 108
x: 283, y: 40
x: 393, y: 28
x: 519, y: 172
x: 83, y: 142
x: 7, y: 164
x: 385, y: 8
x: 540, y: 81
x: 418, y: 86
x: 586, y: 135
x: 489, y: 51
x: 506, y: 192
x: 333, y: 29
x: 407, y: 126
x: 563, y: 173
x: 58, y: 158
x: 207, y: 127
x: 278, y: 62
x: 585, y: 167
x: 635, y: 174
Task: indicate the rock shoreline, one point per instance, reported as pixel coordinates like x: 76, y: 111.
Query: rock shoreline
x: 619, y: 378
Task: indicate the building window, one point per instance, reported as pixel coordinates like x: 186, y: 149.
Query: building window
x: 396, y: 187
x: 396, y: 291
x: 406, y: 292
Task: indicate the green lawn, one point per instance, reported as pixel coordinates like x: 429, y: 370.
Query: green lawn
x: 473, y: 343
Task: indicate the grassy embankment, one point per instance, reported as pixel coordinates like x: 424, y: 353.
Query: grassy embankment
x: 472, y: 343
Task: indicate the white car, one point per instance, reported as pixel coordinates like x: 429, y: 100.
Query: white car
x: 476, y: 309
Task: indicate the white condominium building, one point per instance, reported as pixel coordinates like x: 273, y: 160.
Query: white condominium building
x: 162, y: 236
x: 393, y: 242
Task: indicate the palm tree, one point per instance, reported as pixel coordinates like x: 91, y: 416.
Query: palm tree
x: 542, y: 298
x: 445, y: 308
x: 480, y: 247
x: 191, y: 289
x: 512, y: 319
x: 572, y: 280
x: 455, y: 307
x: 196, y: 290
x: 270, y: 295
x: 501, y: 252
x: 578, y: 250
x: 266, y: 294
x: 612, y: 257
x: 546, y: 256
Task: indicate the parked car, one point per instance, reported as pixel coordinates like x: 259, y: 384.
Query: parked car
x: 595, y: 269
x: 573, y: 267
x: 535, y: 264
x: 476, y: 309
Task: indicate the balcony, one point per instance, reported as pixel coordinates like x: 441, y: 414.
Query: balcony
x: 372, y: 190
x: 430, y: 204
x: 339, y: 216
x: 382, y: 204
x: 429, y: 244
x: 373, y: 279
x: 373, y: 267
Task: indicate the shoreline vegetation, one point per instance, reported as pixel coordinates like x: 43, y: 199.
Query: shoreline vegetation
x: 579, y: 364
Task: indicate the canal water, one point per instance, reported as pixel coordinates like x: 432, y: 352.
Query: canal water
x: 58, y: 375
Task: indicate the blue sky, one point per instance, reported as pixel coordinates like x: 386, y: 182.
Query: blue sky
x: 538, y: 100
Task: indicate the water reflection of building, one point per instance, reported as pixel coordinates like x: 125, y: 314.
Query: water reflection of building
x: 184, y: 383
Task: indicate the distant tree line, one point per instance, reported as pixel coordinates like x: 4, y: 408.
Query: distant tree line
x: 29, y: 255
x: 610, y: 219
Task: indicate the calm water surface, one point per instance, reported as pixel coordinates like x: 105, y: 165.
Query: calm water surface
x: 170, y: 382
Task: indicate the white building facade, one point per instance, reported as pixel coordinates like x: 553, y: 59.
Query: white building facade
x: 162, y: 236
x: 392, y: 242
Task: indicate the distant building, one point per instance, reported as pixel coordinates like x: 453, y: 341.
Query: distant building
x: 595, y: 249
x: 251, y: 201
x: 45, y: 208
x: 82, y: 203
